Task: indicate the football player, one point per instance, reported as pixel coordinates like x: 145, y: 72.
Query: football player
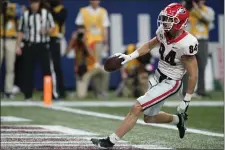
x: 177, y: 55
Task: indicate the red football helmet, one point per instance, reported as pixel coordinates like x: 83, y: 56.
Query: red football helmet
x: 174, y: 16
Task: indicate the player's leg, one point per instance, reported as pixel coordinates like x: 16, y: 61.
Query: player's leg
x: 153, y: 103
x: 161, y: 117
x: 127, y: 124
x: 129, y: 121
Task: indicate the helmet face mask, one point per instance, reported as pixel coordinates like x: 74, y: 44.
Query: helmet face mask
x: 165, y: 21
x: 174, y: 16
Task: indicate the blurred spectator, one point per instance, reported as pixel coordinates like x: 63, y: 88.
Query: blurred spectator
x: 59, y: 13
x: 86, y: 68
x: 9, y: 17
x: 135, y: 75
x: 18, y: 82
x: 200, y: 22
x: 36, y: 24
x: 96, y: 21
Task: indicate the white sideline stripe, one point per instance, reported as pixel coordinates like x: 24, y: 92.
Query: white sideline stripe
x: 13, y: 119
x: 66, y: 130
x: 152, y: 147
x: 31, y: 134
x: 41, y: 137
x: 28, y: 130
x: 108, y: 116
x: 109, y: 104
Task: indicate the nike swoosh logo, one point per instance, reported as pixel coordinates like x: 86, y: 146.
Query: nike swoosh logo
x: 174, y: 47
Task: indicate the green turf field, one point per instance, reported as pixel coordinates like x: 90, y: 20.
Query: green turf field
x: 140, y: 134
x: 210, y: 119
x: 205, y: 118
x: 216, y: 95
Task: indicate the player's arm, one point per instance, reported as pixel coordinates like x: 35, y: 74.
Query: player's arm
x: 144, y: 49
x: 191, y: 66
x: 190, y: 63
x: 147, y: 47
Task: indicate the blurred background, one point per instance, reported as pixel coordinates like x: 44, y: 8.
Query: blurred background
x: 77, y: 37
x: 130, y: 23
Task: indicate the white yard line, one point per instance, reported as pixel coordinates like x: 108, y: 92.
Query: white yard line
x: 108, y: 103
x: 108, y: 116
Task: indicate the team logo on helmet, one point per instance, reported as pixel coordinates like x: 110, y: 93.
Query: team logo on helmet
x: 181, y: 11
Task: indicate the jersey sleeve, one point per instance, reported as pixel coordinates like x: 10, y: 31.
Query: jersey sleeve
x: 158, y: 34
x: 191, y: 48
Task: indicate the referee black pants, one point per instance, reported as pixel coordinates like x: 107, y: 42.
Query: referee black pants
x: 18, y: 81
x: 56, y: 69
x: 31, y: 54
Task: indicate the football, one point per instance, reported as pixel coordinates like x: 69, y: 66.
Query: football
x: 113, y: 63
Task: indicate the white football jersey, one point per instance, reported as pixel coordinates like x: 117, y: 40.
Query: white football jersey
x: 171, y: 52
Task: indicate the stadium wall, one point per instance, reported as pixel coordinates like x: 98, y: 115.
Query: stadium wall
x: 132, y: 21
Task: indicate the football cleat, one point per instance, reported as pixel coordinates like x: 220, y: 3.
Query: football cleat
x: 105, y: 143
x: 181, y: 124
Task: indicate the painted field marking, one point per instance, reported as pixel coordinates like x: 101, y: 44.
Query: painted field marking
x: 13, y: 119
x: 83, y: 146
x: 11, y: 141
x: 114, y: 117
x: 108, y: 103
x: 86, y: 142
x: 56, y: 128
x: 59, y: 139
x: 37, y: 135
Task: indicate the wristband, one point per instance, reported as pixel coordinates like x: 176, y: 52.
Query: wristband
x: 188, y: 97
x: 134, y: 55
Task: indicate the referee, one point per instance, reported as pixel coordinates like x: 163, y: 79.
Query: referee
x: 36, y: 24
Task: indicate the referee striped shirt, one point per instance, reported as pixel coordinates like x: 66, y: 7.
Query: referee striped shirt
x: 31, y: 25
